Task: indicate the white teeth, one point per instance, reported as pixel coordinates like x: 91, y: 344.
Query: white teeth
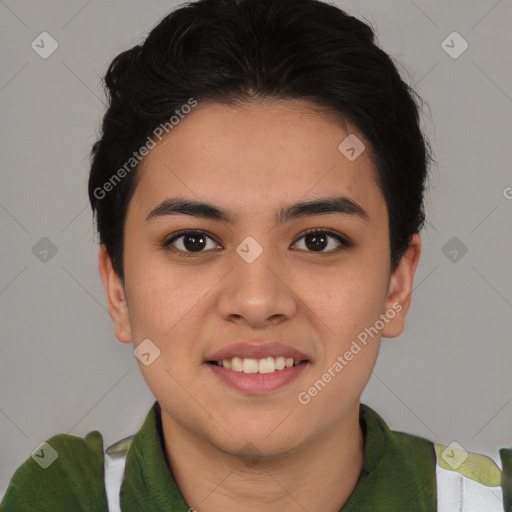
x: 236, y: 364
x: 250, y: 366
x: 265, y: 365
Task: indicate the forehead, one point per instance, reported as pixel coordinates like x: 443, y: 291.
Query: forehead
x: 258, y: 155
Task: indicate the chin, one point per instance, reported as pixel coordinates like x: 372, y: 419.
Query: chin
x: 260, y: 443
x: 253, y: 452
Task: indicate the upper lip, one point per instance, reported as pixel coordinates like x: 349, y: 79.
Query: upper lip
x: 257, y: 350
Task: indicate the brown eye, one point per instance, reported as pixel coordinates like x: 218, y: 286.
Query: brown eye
x: 190, y: 242
x: 317, y: 240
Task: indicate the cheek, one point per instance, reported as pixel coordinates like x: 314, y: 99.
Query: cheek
x: 345, y: 299
x: 163, y: 298
x: 341, y: 306
x: 165, y: 307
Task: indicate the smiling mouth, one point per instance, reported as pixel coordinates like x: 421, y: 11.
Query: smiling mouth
x: 266, y: 365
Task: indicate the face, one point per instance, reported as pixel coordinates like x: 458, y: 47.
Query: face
x: 246, y: 280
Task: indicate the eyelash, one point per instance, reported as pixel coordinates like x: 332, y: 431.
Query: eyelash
x: 345, y: 243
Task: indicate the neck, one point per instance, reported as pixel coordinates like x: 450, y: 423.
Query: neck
x: 320, y: 475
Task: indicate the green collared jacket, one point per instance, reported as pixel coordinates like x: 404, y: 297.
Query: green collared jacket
x: 402, y: 472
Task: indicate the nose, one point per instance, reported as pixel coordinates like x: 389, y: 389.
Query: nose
x: 258, y: 293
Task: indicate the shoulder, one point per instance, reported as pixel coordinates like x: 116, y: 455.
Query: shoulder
x: 63, y: 473
x: 464, y: 481
x: 467, y: 481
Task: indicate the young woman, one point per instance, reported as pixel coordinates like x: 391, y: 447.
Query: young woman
x: 258, y: 191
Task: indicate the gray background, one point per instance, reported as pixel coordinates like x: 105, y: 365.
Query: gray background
x: 447, y: 377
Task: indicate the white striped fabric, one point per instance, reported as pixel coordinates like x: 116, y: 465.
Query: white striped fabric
x: 114, y: 473
x: 457, y: 493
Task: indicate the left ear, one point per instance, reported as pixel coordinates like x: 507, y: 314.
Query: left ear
x: 400, y: 289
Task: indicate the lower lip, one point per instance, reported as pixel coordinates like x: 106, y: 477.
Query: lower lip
x: 258, y: 383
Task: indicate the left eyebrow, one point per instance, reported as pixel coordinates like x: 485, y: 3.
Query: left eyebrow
x: 181, y: 206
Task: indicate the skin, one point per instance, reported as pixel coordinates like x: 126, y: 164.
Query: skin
x: 253, y: 159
